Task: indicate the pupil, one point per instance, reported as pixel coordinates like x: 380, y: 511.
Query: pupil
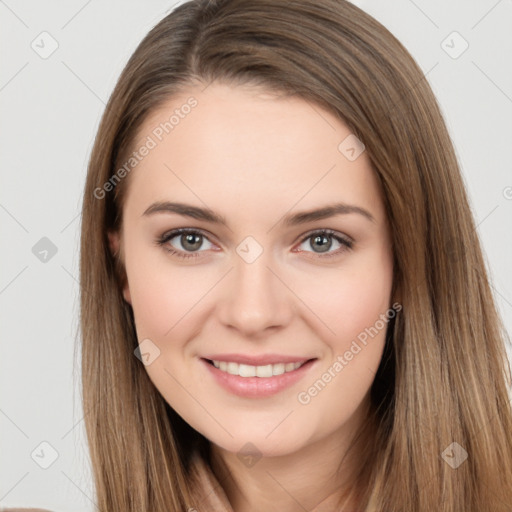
x: 191, y: 241
x: 324, y: 241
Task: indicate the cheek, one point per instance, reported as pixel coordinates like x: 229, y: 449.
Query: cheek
x: 357, y: 310
x: 348, y: 301
x: 160, y: 304
x: 164, y: 296
x: 352, y: 307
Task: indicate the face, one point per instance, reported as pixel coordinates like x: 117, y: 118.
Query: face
x: 254, y: 284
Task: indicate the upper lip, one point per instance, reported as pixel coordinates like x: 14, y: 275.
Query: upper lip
x: 257, y: 360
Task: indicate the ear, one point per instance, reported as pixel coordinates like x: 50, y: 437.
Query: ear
x: 114, y: 242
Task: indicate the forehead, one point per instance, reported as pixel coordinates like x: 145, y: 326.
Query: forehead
x: 250, y: 149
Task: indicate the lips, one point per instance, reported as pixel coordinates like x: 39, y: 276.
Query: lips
x: 256, y: 376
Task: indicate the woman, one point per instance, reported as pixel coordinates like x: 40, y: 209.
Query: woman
x: 233, y: 357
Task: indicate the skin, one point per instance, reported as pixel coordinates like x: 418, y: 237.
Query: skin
x: 254, y: 158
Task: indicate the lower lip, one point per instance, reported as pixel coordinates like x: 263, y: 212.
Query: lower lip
x: 257, y: 387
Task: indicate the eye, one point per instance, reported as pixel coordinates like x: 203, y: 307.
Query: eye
x: 323, y: 241
x: 190, y: 241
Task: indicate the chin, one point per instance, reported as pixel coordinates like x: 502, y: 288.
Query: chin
x: 259, y: 444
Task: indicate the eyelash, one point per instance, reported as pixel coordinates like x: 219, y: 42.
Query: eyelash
x: 345, y: 242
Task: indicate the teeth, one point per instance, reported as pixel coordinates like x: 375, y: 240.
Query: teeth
x: 247, y: 370
x: 233, y: 368
x: 278, y: 369
x: 264, y: 371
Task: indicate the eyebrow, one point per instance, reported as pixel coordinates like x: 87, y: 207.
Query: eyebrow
x: 295, y: 219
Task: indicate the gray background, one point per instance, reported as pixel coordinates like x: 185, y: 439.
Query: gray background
x: 51, y: 108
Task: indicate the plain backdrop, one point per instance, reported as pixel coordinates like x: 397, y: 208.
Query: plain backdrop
x: 51, y: 106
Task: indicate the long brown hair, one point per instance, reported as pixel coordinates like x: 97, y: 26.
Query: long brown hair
x: 444, y: 377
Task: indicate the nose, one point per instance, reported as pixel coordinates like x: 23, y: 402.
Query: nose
x: 256, y: 299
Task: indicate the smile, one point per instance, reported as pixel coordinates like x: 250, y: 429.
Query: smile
x: 247, y: 370
x: 257, y: 380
